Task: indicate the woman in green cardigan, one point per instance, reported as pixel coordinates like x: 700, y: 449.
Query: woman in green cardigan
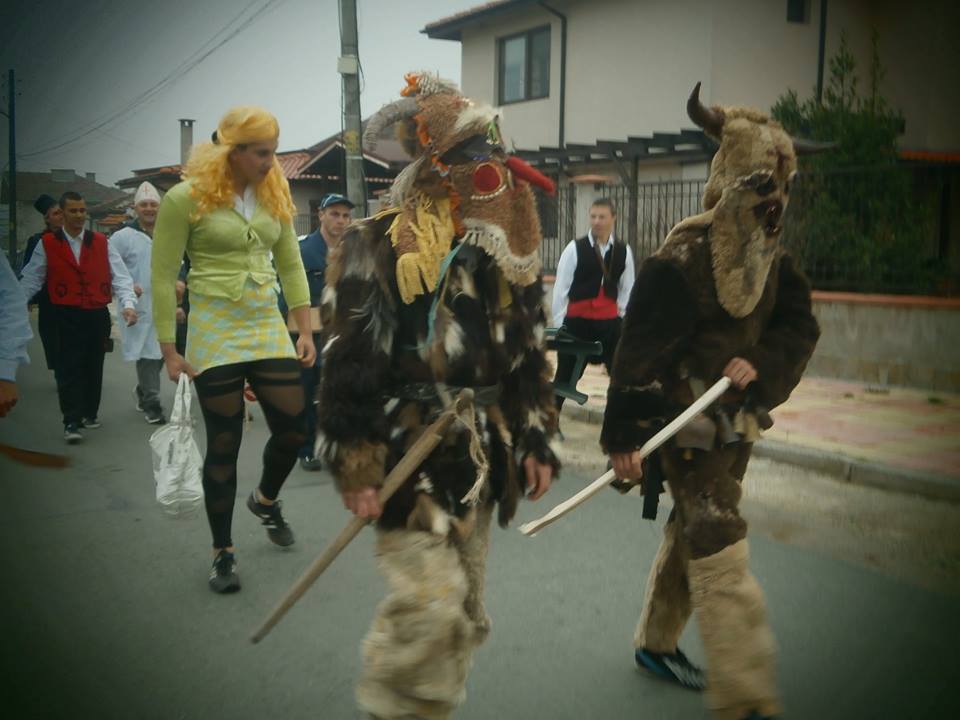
x: 232, y: 211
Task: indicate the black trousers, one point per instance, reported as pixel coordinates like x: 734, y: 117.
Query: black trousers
x: 606, y: 331
x: 82, y: 337
x: 310, y: 378
x: 181, y: 338
x: 47, y: 328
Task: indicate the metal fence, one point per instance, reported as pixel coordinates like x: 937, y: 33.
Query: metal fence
x: 877, y: 229
x: 660, y: 206
x: 302, y: 224
x: 557, y: 223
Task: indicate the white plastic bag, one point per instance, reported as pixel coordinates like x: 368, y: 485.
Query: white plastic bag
x: 177, y: 464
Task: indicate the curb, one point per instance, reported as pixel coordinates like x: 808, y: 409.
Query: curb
x: 861, y: 472
x: 834, y: 465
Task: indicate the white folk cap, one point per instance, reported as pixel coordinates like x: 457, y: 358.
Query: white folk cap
x: 146, y: 191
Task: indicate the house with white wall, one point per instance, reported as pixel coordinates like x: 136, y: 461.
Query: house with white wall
x: 595, y: 90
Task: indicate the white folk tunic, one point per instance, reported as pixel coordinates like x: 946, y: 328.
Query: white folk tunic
x: 139, y: 341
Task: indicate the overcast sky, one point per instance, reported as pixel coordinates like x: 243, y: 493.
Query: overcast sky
x: 78, y: 64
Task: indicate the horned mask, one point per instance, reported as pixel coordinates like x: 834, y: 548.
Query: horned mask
x: 751, y: 176
x: 461, y: 186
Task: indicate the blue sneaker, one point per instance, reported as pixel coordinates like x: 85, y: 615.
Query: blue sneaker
x: 673, y: 667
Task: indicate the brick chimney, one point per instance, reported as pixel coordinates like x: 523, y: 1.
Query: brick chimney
x: 186, y: 140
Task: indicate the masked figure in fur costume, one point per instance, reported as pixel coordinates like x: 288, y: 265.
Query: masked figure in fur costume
x: 438, y: 292
x: 720, y: 297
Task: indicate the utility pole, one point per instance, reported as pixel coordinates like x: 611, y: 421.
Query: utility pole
x: 348, y: 65
x: 12, y: 247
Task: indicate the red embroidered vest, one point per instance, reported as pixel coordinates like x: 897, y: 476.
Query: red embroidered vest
x: 85, y: 284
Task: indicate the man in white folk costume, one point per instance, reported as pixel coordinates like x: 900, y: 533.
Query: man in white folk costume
x: 134, y: 243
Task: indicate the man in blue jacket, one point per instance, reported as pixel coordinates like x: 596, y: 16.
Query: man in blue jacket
x: 334, y: 214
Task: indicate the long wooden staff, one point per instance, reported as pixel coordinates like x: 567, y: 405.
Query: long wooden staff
x: 417, y: 453
x: 698, y: 406
x: 34, y: 458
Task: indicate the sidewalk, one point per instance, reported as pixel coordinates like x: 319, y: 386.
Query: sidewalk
x: 896, y: 438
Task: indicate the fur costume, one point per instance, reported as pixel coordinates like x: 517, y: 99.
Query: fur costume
x: 438, y: 292
x: 719, y: 287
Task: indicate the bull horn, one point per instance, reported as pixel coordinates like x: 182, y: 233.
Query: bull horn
x: 707, y: 118
x: 802, y: 146
x: 385, y: 117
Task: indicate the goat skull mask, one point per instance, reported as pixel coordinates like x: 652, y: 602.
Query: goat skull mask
x: 751, y: 177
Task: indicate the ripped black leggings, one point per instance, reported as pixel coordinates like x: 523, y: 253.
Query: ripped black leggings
x: 276, y: 383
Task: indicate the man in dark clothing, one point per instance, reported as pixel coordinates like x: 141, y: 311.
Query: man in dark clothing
x: 594, y: 280
x: 334, y: 215
x: 53, y: 218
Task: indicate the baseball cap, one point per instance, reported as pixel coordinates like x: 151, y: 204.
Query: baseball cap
x: 335, y: 199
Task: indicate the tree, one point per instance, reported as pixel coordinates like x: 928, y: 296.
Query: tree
x: 858, y: 220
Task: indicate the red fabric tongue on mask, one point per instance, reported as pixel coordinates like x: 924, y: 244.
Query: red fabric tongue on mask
x: 524, y: 171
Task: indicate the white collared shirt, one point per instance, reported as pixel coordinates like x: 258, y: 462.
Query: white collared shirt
x: 34, y: 276
x: 567, y: 266
x: 76, y: 243
x: 247, y: 204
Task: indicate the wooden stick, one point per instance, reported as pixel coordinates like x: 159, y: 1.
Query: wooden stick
x: 678, y: 423
x: 34, y: 458
x: 417, y: 453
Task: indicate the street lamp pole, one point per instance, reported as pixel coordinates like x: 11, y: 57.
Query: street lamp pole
x: 12, y: 183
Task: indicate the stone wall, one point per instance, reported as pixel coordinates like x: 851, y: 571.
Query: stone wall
x: 888, y: 340
x: 882, y: 339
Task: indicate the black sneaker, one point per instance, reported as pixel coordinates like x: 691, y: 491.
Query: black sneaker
x: 72, y: 434
x: 311, y: 463
x: 223, y: 575
x: 90, y: 423
x: 154, y: 416
x: 672, y: 667
x: 277, y: 529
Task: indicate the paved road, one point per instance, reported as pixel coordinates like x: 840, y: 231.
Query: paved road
x: 107, y: 614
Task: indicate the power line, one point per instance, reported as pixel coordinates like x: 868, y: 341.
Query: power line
x: 144, y: 96
x: 173, y: 76
x: 169, y: 80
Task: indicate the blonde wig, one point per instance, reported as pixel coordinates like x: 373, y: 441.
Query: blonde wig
x: 209, y: 167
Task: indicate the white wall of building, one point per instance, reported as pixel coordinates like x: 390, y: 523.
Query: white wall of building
x: 525, y: 124
x: 632, y: 63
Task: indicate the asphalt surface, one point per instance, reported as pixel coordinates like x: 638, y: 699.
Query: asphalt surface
x: 107, y: 612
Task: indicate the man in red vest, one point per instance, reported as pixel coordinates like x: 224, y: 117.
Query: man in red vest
x: 79, y: 271
x: 594, y: 279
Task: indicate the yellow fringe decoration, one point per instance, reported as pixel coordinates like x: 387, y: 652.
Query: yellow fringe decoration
x: 506, y: 297
x: 418, y: 272
x: 386, y: 212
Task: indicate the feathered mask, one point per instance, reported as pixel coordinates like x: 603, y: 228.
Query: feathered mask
x: 462, y: 186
